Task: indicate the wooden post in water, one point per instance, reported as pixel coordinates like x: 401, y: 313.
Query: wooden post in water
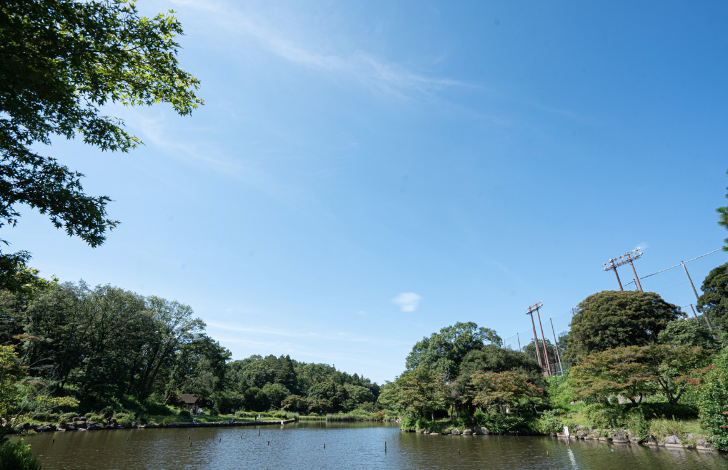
x: 385, y: 447
x: 324, y: 446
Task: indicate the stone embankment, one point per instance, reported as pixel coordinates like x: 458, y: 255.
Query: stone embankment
x: 618, y: 436
x: 81, y: 424
x: 623, y: 436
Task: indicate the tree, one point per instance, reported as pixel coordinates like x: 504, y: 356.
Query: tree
x: 688, y: 332
x: 713, y: 401
x: 714, y: 301
x: 276, y: 393
x: 611, y: 319
x: 493, y: 359
x: 359, y: 394
x: 723, y: 216
x: 61, y: 61
x: 420, y: 391
x: 614, y: 371
x: 295, y: 403
x: 500, y: 390
x: 634, y: 371
x: 444, y: 351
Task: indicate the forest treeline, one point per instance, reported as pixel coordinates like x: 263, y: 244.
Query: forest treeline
x: 104, y: 345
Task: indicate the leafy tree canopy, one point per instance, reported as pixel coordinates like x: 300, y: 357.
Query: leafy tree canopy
x: 714, y: 301
x: 688, y: 332
x: 502, y: 389
x: 61, y: 61
x: 491, y: 358
x: 611, y: 319
x: 637, y: 370
x: 723, y: 215
x: 444, y: 351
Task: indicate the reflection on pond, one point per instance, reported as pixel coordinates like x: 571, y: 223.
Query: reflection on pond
x: 347, y: 445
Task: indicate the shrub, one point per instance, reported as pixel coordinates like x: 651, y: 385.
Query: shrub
x: 677, y: 411
x: 156, y: 408
x: 713, y: 402
x: 16, y: 456
x: 602, y: 415
x: 637, y: 424
x: 46, y: 416
x: 550, y: 422
x: 502, y: 424
x: 184, y: 414
x: 124, y: 419
x: 667, y: 427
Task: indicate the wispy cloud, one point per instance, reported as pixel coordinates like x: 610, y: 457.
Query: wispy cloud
x: 353, y: 63
x: 407, y: 301
x: 642, y: 246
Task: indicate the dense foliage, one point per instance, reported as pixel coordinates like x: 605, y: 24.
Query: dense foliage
x: 61, y: 61
x: 723, y: 220
x: 101, y: 349
x: 713, y: 402
x: 17, y: 456
x: 444, y: 351
x: 259, y: 383
x: 612, y: 319
x: 714, y: 301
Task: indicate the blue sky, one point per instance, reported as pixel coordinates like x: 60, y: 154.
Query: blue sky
x: 365, y: 173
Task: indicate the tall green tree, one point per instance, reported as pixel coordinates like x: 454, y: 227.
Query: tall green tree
x: 714, y: 301
x: 688, y: 332
x: 611, y: 319
x: 443, y: 352
x: 634, y: 371
x: 61, y: 62
x: 723, y: 220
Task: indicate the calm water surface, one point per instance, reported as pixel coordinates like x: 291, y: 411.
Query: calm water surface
x: 359, y: 445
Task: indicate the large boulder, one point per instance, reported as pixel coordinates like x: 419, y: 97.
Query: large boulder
x: 455, y: 432
x: 467, y: 432
x: 620, y: 436
x: 673, y: 440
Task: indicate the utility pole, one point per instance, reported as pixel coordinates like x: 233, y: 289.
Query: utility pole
x: 535, y: 338
x: 519, y: 342
x: 556, y: 346
x: 628, y: 257
x: 707, y: 320
x: 530, y: 311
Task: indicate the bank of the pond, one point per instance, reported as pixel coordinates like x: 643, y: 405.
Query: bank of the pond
x: 686, y: 441
x: 82, y: 425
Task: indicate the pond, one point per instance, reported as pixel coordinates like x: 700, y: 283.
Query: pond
x: 342, y: 445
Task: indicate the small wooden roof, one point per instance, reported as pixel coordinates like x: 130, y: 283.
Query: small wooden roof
x: 188, y: 399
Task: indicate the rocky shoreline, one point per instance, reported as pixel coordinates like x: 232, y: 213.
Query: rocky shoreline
x: 618, y: 436
x: 81, y: 424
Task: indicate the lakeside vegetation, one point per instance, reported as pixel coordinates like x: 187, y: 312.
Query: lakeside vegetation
x: 633, y: 362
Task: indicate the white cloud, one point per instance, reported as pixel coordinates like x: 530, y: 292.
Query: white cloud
x: 642, y: 246
x: 361, y: 312
x: 407, y: 301
x: 284, y: 36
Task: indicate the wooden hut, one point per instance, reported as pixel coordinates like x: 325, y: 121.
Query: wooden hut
x: 189, y: 401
